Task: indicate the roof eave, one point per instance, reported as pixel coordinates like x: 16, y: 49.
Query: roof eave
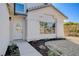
x: 59, y: 11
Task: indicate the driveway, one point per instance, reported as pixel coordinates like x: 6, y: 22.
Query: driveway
x: 66, y: 47
x: 73, y: 39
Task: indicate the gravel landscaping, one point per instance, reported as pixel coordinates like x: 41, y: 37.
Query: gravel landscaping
x: 40, y: 46
x: 43, y: 49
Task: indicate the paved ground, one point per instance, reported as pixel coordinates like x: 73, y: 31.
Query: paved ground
x: 26, y: 49
x: 68, y: 48
x: 73, y: 39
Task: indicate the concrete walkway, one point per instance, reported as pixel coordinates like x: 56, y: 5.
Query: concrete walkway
x: 26, y: 49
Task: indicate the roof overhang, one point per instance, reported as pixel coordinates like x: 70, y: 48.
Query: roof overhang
x: 59, y: 11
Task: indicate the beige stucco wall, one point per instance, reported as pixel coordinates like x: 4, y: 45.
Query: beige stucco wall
x: 32, y: 27
x: 49, y: 13
x: 4, y: 28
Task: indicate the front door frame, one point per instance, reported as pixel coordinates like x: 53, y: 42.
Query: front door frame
x: 11, y: 29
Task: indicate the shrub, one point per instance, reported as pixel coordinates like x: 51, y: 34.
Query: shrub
x: 12, y: 50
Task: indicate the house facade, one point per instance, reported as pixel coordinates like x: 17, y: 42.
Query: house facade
x: 40, y: 21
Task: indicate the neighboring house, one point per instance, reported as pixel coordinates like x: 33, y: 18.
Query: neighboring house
x: 40, y: 21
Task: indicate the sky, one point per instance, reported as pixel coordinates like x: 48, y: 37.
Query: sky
x: 71, y: 10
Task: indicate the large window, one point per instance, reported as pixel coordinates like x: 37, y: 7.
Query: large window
x: 47, y: 27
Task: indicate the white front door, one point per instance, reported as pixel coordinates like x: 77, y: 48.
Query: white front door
x: 17, y: 29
